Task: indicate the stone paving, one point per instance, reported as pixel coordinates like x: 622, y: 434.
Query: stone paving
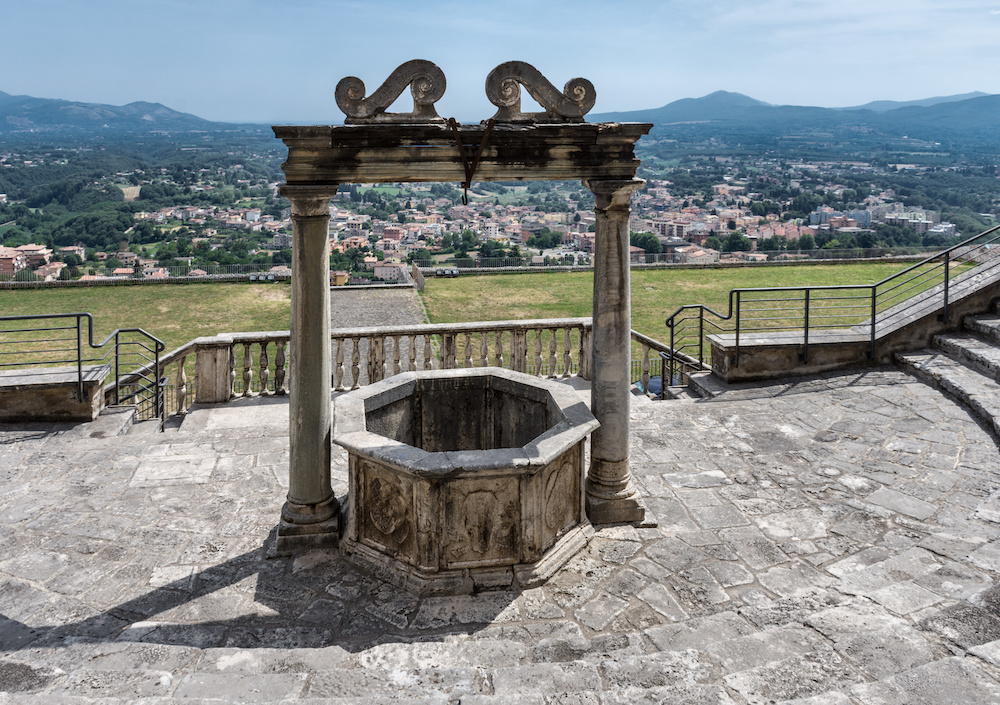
x: 828, y: 542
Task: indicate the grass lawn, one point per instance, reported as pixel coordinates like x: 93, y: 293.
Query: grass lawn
x: 656, y: 293
x: 178, y: 314
x: 174, y: 314
x: 384, y: 190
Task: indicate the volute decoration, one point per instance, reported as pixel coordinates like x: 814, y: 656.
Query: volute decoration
x: 426, y: 82
x: 503, y: 88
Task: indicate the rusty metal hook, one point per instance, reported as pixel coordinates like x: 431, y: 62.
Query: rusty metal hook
x: 470, y: 165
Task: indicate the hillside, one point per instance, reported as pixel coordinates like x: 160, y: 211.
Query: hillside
x: 975, y: 119
x: 22, y: 113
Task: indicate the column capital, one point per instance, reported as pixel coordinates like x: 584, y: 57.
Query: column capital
x: 309, y: 200
x: 613, y: 193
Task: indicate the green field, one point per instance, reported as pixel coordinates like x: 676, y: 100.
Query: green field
x: 177, y: 314
x: 174, y: 314
x: 656, y: 293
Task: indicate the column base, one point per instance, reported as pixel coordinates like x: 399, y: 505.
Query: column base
x: 620, y: 504
x: 306, y: 527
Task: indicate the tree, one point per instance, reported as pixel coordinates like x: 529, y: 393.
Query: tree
x: 421, y: 255
x: 713, y: 243
x: 736, y: 242
x: 807, y: 242
x: 647, y: 241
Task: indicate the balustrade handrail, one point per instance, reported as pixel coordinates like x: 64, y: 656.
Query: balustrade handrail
x: 219, y: 370
x: 883, y: 300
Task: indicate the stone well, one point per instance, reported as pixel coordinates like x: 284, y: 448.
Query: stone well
x: 464, y: 480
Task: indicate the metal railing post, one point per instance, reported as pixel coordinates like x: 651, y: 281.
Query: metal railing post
x: 117, y: 376
x: 158, y: 404
x: 805, y: 334
x: 79, y: 361
x: 947, y: 281
x: 701, y: 336
x: 673, y: 354
x: 871, y: 349
x: 737, y: 314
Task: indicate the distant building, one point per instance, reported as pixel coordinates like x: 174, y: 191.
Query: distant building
x: 12, y: 261
x: 390, y: 271
x: 51, y: 271
x: 37, y: 254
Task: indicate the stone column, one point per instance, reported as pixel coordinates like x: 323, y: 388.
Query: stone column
x: 310, y: 517
x: 611, y: 495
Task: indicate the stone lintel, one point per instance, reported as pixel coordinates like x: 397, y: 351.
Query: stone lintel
x: 326, y: 155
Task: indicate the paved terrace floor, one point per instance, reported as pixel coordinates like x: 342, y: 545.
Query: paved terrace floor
x: 824, y: 543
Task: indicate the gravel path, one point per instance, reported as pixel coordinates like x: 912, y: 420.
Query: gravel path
x: 357, y: 308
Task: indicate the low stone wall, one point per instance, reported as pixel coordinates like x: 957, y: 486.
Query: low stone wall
x: 912, y: 327
x: 52, y: 394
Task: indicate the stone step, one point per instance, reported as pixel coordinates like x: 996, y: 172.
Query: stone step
x: 977, y: 353
x: 706, y: 385
x: 112, y: 421
x: 986, y: 325
x: 679, y: 393
x: 973, y: 389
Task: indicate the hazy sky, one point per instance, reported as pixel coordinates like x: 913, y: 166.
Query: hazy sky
x: 278, y: 61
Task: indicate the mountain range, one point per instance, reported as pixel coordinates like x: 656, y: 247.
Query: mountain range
x: 969, y: 116
x: 22, y: 113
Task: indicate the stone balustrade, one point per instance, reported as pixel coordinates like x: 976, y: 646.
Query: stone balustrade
x: 647, y: 346
x: 245, y: 364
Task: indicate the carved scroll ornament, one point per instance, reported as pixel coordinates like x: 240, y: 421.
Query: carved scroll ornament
x: 426, y: 82
x: 503, y: 88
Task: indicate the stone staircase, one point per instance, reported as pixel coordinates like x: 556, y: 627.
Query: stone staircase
x: 965, y: 365
x: 701, y: 385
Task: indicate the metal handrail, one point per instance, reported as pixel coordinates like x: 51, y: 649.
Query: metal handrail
x: 878, y: 302
x: 147, y: 350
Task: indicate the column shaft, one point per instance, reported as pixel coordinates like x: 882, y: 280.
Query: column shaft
x: 310, y: 517
x: 611, y: 494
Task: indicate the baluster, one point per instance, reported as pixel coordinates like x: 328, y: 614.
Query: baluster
x: 519, y: 350
x: 247, y: 371
x: 585, y: 352
x: 396, y: 369
x: 468, y: 350
x: 355, y: 363
x: 448, y: 352
x: 376, y: 359
x: 180, y: 387
x: 428, y: 353
x: 338, y: 366
x: 498, y: 350
x: 538, y: 351
x: 552, y: 353
x: 567, y: 358
x: 412, y: 367
x: 232, y: 371
x: 484, y: 350
x: 264, y: 372
x: 279, y: 369
x: 645, y: 368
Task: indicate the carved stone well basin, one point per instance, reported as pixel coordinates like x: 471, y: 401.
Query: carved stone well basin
x: 464, y: 480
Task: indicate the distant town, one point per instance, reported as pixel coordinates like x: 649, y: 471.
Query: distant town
x: 192, y: 220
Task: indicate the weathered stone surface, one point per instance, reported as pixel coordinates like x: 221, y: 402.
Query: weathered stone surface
x: 464, y: 479
x: 161, y: 588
